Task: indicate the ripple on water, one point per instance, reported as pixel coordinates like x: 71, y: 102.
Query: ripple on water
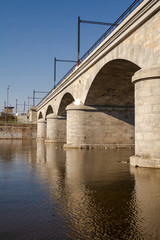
x: 48, y: 193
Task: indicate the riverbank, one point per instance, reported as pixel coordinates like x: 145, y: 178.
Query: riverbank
x: 18, y: 131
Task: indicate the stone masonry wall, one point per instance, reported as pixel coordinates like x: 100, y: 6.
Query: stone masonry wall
x: 18, y: 131
x: 111, y: 126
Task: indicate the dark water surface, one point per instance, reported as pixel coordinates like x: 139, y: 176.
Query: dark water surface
x: 47, y: 192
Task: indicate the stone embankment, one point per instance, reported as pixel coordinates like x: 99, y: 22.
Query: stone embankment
x: 18, y: 131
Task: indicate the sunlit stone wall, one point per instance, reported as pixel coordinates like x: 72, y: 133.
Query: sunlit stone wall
x: 92, y: 126
x: 18, y: 131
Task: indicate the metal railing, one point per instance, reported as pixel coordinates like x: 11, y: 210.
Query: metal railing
x: 128, y: 11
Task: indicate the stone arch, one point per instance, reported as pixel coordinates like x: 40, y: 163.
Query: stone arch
x: 112, y: 85
x: 65, y: 101
x: 49, y: 110
x: 109, y: 106
x: 40, y: 115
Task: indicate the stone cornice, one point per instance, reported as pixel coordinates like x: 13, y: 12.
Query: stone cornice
x: 149, y: 73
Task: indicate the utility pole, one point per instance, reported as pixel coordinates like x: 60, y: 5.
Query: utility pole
x: 90, y: 22
x: 8, y: 96
x: 7, y: 102
x: 54, y: 72
x: 24, y: 107
x: 16, y: 105
x: 59, y: 60
x: 34, y: 97
x: 79, y: 21
x: 28, y: 103
x: 4, y: 105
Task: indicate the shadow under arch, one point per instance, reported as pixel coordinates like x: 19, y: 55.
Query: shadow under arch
x: 65, y: 101
x: 112, y: 85
x: 40, y: 115
x: 49, y: 110
x: 112, y: 89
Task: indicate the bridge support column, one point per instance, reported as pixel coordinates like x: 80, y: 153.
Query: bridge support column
x: 147, y: 118
x: 41, y: 129
x: 99, y: 127
x: 56, y: 128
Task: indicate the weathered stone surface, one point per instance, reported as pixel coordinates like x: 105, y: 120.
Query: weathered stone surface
x: 32, y: 115
x: 18, y: 131
x: 147, y: 117
x: 99, y: 146
x: 138, y: 161
x: 41, y: 129
x: 90, y: 125
x: 56, y: 128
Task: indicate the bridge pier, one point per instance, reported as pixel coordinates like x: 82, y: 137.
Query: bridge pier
x: 147, y: 118
x: 41, y: 129
x: 56, y: 128
x: 99, y: 127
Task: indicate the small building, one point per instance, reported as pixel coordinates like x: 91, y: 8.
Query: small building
x: 9, y: 109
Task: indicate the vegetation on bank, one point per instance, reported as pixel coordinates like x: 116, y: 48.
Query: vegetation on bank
x: 7, y: 117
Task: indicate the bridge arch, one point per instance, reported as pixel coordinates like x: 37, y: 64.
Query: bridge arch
x: 111, y: 84
x: 107, y: 116
x: 40, y: 115
x: 49, y: 110
x: 64, y: 102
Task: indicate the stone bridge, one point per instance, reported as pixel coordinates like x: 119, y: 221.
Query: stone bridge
x: 112, y: 98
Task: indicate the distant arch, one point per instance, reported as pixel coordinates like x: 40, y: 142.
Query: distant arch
x: 40, y: 115
x: 65, y: 101
x: 49, y: 110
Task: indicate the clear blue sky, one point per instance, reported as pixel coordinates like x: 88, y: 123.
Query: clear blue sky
x: 33, y: 32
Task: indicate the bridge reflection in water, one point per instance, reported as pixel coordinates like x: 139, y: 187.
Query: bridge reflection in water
x: 75, y: 194
x: 99, y: 196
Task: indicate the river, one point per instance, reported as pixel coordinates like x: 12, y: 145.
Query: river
x: 47, y: 193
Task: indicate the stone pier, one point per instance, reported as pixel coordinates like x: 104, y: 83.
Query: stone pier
x: 147, y: 118
x: 56, y: 128
x: 41, y: 129
x: 99, y: 127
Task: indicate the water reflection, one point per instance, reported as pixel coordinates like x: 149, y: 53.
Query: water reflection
x: 94, y: 192
x: 99, y: 195
x: 41, y: 152
x: 52, y: 193
x: 17, y: 150
x: 147, y: 192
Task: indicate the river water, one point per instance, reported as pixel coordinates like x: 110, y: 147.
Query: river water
x: 47, y: 193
